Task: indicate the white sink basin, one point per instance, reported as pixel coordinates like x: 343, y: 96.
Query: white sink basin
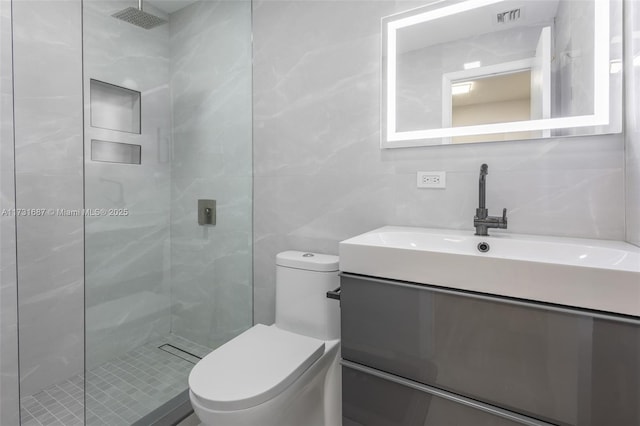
x: 592, y: 274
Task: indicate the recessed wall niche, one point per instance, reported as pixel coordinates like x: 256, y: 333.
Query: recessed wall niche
x: 115, y: 152
x: 114, y: 107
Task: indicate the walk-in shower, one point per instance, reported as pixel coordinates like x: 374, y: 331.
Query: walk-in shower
x: 161, y: 119
x: 162, y: 290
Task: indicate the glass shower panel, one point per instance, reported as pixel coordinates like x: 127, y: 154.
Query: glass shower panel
x: 161, y: 290
x: 9, y: 378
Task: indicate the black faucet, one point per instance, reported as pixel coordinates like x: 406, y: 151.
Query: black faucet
x: 482, y: 221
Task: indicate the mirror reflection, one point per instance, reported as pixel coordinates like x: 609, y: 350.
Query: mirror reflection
x: 493, y: 99
x: 489, y: 70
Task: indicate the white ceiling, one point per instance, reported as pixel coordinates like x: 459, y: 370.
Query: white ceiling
x: 170, y: 6
x: 481, y: 20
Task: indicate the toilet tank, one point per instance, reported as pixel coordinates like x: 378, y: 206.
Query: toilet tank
x: 302, y: 306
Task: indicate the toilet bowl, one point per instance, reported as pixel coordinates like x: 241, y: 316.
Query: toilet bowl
x: 286, y: 374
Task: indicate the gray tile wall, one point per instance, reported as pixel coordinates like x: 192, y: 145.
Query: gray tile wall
x: 320, y: 176
x: 211, y: 103
x: 633, y: 123
x: 127, y: 257
x: 48, y: 142
x: 9, y: 401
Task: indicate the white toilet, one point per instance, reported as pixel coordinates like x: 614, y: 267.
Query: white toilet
x: 286, y: 374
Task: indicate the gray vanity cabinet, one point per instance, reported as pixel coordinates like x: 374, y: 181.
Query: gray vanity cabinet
x: 374, y: 401
x: 548, y: 364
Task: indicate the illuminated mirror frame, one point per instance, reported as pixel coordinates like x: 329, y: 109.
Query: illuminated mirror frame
x: 391, y: 138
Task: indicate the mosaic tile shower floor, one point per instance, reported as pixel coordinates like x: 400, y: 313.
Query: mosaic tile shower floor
x: 120, y: 391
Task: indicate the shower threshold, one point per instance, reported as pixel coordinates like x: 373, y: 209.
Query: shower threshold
x: 122, y: 391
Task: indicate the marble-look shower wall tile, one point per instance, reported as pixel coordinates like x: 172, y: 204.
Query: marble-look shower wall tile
x: 321, y: 177
x: 48, y: 143
x: 9, y: 391
x: 632, y: 123
x: 127, y: 256
x: 211, y: 267
x: 211, y: 103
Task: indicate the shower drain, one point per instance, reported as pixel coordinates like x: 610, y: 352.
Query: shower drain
x: 180, y: 353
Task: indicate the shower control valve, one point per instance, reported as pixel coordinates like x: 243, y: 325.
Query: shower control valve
x: 206, y: 212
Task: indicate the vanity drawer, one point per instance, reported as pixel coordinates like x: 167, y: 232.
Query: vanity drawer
x: 375, y: 400
x: 561, y: 366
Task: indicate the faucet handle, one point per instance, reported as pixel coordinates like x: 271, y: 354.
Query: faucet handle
x: 504, y: 214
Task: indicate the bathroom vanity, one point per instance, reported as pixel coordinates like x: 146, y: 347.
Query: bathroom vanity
x: 429, y: 337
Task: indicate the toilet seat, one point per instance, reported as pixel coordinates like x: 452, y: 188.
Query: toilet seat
x: 252, y: 368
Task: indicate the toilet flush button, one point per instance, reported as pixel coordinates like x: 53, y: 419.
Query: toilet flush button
x: 308, y: 255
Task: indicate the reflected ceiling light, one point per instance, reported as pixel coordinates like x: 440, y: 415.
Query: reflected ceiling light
x: 636, y: 61
x: 615, y: 67
x: 461, y: 88
x: 471, y: 65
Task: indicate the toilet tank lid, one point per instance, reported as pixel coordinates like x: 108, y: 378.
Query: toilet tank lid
x: 308, y: 261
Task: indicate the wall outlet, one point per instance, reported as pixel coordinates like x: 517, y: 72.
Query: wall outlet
x: 432, y: 180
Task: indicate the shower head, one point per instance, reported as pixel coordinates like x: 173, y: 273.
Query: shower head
x: 139, y: 17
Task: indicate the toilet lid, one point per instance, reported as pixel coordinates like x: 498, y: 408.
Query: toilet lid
x: 253, y: 368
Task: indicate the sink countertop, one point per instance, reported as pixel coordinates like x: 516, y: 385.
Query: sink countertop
x: 594, y: 274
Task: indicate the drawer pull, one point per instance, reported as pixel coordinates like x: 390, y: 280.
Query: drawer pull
x: 496, y: 411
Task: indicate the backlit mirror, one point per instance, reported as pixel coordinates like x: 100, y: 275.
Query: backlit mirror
x: 494, y: 70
